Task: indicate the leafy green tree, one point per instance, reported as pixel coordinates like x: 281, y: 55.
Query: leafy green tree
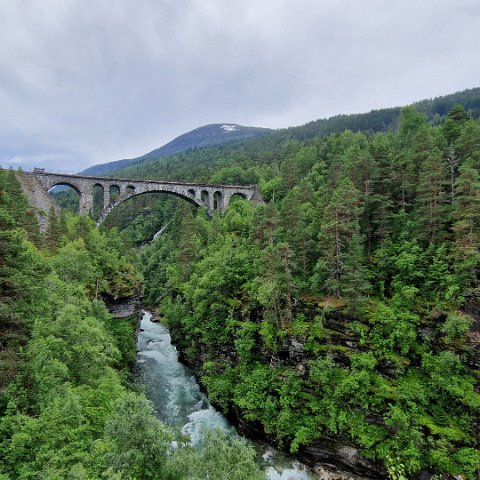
x: 136, y: 442
x: 221, y: 456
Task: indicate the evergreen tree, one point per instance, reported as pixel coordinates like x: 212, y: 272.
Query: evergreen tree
x: 53, y: 234
x: 188, y: 244
x: 275, y: 288
x: 296, y: 218
x: 265, y: 224
x: 468, y: 143
x: 466, y: 218
x: 453, y: 124
x: 339, y: 270
x: 432, y: 196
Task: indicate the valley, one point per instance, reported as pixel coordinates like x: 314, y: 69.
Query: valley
x: 338, y: 320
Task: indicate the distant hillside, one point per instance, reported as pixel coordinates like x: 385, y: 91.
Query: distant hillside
x: 203, y: 164
x: 387, y: 118
x: 208, y: 135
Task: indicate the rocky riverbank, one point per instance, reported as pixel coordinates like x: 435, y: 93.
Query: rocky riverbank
x: 330, y: 458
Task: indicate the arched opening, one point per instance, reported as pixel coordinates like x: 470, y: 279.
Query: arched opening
x: 236, y: 197
x: 98, y: 192
x: 217, y: 200
x: 67, y: 196
x: 114, y: 191
x: 145, y: 214
x: 130, y: 190
x: 191, y: 192
x: 204, y: 196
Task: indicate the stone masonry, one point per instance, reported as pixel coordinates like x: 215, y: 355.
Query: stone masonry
x: 212, y: 197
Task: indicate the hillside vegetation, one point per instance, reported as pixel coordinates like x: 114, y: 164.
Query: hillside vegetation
x: 68, y: 409
x: 202, y: 164
x: 341, y: 308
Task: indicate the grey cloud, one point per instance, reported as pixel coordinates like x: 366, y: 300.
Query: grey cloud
x: 89, y: 81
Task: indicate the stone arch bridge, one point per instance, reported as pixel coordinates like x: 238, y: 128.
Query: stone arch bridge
x: 212, y: 197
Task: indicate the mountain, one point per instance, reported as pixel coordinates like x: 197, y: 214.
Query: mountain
x: 206, y: 136
x: 237, y: 162
x: 193, y: 155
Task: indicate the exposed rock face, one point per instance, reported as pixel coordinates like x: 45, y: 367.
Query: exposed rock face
x: 327, y: 474
x: 38, y: 198
x: 124, y: 307
x: 335, y: 459
x: 330, y: 459
x: 472, y: 308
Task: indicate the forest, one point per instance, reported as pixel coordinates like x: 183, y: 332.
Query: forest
x: 68, y: 406
x: 344, y: 307
x: 347, y: 305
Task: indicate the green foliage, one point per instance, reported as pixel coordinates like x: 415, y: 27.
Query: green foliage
x: 221, y: 456
x: 135, y: 442
x: 336, y: 308
x: 65, y: 411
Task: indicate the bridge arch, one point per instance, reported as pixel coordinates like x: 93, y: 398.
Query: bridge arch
x: 217, y: 200
x: 237, y: 195
x: 65, y: 184
x: 70, y: 193
x: 100, y: 197
x: 129, y: 195
x: 114, y: 192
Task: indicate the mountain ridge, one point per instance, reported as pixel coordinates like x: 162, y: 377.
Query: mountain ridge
x: 204, y: 136
x: 373, y: 121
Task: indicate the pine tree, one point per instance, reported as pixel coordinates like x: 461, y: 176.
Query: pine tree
x: 186, y: 231
x: 265, y: 224
x: 53, y: 234
x: 381, y: 199
x: 452, y: 167
x: 275, y: 286
x: 339, y: 270
x: 468, y: 143
x: 452, y: 127
x: 431, y: 200
x: 296, y: 218
x: 466, y: 214
x: 412, y: 134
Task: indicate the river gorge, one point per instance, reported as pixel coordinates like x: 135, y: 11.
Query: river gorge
x: 179, y: 402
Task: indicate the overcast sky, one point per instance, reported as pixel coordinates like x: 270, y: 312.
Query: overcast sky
x: 92, y: 81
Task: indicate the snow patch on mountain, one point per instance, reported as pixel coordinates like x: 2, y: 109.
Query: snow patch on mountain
x: 230, y: 128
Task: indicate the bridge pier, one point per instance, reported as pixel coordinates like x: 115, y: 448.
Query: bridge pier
x: 86, y: 203
x: 211, y: 203
x: 106, y: 197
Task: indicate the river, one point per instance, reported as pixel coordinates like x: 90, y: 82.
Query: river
x: 179, y: 402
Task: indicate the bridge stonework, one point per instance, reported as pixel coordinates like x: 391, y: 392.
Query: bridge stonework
x: 212, y: 197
